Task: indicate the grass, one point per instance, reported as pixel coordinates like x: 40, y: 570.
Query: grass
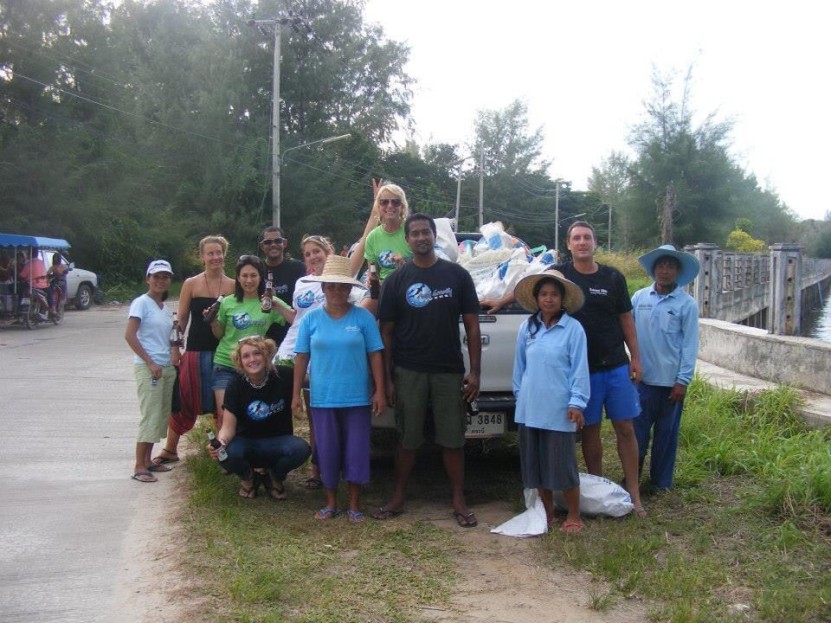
x: 744, y: 536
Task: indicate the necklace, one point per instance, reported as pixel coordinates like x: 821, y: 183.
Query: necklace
x: 256, y: 385
x: 208, y: 285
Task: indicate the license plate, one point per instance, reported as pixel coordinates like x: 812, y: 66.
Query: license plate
x: 486, y: 424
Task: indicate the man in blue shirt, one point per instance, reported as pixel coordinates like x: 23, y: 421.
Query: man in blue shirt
x: 666, y: 320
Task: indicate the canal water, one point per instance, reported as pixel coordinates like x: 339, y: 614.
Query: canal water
x: 818, y: 324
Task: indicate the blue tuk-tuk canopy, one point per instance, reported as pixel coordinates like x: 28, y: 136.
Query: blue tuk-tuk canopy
x: 19, y: 240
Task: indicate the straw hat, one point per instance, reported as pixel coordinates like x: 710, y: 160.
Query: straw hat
x: 689, y: 263
x: 336, y: 270
x: 524, y: 291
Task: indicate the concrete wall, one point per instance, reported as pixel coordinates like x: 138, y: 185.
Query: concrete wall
x: 796, y: 361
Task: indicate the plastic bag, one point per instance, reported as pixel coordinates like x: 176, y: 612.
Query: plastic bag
x: 599, y: 496
x: 446, y: 240
x: 532, y: 522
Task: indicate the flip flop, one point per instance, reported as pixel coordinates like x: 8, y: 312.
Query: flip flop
x: 144, y: 477
x: 275, y: 490
x: 572, y: 527
x: 466, y: 520
x: 159, y: 467
x: 382, y: 514
x: 313, y: 483
x: 249, y: 493
x: 355, y: 516
x: 640, y: 512
x: 326, y: 513
x: 163, y: 460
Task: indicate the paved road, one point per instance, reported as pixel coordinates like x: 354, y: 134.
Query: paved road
x: 69, y: 512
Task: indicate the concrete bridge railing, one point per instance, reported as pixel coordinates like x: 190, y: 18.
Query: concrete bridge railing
x: 764, y: 291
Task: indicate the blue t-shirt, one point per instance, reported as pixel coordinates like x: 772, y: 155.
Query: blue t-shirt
x: 339, y: 374
x: 154, y: 329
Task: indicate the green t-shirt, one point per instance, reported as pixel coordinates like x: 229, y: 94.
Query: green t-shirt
x: 380, y: 246
x: 241, y: 320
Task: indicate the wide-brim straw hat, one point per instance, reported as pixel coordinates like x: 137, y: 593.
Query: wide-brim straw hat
x: 336, y: 270
x: 524, y: 291
x: 689, y: 263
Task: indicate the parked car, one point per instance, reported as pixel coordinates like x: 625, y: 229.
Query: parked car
x: 83, y: 286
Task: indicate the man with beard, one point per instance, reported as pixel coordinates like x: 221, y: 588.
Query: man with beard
x: 281, y: 271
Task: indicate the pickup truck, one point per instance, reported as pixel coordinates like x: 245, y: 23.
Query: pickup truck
x: 495, y: 414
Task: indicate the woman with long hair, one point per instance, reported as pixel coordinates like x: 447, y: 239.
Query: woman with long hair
x: 196, y: 368
x: 242, y: 315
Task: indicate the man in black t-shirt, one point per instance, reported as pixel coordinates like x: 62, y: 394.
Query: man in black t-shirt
x: 610, y: 329
x: 281, y: 271
x: 419, y: 313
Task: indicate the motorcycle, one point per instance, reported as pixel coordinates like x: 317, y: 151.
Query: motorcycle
x: 36, y: 310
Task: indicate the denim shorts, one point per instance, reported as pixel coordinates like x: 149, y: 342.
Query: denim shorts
x: 222, y: 377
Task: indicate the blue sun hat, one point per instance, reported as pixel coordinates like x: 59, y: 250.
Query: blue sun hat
x: 689, y: 263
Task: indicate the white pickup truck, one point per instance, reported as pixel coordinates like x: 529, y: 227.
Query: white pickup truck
x: 495, y: 415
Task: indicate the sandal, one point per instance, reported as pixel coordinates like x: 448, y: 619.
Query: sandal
x: 313, y: 483
x: 172, y: 457
x: 640, y: 512
x: 382, y: 514
x: 144, y: 477
x: 465, y: 520
x: 326, y: 513
x: 572, y: 527
x: 159, y: 467
x: 275, y: 489
x: 355, y: 516
x: 249, y: 493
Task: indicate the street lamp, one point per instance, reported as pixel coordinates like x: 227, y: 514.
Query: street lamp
x: 279, y: 162
x: 459, y: 186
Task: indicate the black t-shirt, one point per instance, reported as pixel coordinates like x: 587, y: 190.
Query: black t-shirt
x: 264, y: 412
x: 425, y: 305
x: 607, y: 297
x: 283, y: 278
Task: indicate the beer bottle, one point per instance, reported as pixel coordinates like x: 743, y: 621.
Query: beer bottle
x: 374, y: 281
x: 175, y: 333
x: 266, y: 303
x: 215, y: 443
x: 210, y: 313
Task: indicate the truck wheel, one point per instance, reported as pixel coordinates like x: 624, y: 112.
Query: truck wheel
x: 83, y: 298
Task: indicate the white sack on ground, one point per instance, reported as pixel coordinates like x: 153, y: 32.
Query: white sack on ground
x: 532, y: 522
x: 599, y: 496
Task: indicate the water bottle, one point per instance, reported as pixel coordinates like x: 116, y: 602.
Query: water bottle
x: 210, y: 313
x: 221, y: 454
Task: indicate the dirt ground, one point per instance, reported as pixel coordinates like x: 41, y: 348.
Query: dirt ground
x: 502, y: 582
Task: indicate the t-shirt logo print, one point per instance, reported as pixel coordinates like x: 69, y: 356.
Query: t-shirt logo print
x: 306, y: 300
x: 385, y: 259
x: 241, y: 320
x: 419, y: 295
x: 259, y: 410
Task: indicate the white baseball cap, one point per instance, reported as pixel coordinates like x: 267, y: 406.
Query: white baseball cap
x: 159, y: 266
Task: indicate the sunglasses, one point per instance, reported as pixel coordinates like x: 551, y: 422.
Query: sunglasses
x: 251, y: 259
x: 394, y: 202
x: 270, y: 241
x: 250, y: 338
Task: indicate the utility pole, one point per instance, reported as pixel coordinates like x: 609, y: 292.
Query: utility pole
x: 557, y: 217
x: 277, y: 23
x: 481, y: 186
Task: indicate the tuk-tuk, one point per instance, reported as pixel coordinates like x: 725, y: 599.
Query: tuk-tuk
x: 20, y: 301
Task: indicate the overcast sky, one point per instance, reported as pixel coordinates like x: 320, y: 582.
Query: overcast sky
x: 584, y: 69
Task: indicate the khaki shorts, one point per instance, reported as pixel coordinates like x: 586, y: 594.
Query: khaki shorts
x: 154, y: 402
x: 415, y: 392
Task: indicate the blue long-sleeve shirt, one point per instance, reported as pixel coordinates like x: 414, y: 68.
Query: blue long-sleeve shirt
x: 551, y: 374
x: 667, y: 328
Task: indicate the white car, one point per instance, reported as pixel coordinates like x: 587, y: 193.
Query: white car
x: 82, y: 285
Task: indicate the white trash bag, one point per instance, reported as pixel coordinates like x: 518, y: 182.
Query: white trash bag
x: 599, y: 496
x: 532, y: 522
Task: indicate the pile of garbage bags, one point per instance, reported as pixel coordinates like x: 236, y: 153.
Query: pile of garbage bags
x: 496, y: 262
